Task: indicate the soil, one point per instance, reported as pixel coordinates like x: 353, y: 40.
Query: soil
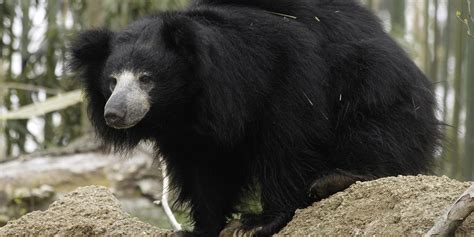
x: 88, y: 211
x: 401, y: 206
x: 395, y: 206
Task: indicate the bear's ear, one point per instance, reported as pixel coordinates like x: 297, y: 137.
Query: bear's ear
x: 185, y: 36
x: 90, y: 47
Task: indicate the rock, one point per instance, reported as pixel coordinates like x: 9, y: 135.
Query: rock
x: 72, y: 170
x: 87, y: 211
x: 38, y: 195
x: 3, y: 220
x: 16, y: 202
x: 126, y: 176
x: 150, y: 187
x: 402, y: 206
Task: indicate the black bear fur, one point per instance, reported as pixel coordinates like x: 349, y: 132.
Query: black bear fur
x: 245, y: 96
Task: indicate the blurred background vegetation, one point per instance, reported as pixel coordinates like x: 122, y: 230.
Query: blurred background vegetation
x: 41, y: 106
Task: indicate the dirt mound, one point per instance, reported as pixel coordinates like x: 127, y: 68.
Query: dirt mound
x: 88, y: 211
x: 405, y: 205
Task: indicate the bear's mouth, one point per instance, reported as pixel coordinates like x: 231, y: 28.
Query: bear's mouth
x: 120, y: 119
x: 121, y: 124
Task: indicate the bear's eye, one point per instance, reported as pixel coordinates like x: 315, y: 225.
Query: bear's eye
x: 145, y: 79
x: 112, y: 83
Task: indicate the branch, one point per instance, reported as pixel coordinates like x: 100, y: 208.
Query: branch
x: 466, y: 20
x: 449, y: 222
x: 164, y: 195
x: 51, y: 104
x: 164, y: 199
x: 27, y: 87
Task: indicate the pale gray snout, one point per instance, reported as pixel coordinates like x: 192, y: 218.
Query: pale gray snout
x: 114, y: 114
x: 128, y: 104
x: 124, y: 111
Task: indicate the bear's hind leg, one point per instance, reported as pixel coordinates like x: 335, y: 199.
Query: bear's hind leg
x: 334, y: 182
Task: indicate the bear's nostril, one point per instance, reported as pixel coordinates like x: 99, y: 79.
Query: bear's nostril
x: 113, y: 116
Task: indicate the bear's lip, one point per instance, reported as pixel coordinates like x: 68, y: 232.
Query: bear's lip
x: 121, y: 124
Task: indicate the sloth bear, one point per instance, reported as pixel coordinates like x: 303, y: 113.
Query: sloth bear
x: 297, y: 99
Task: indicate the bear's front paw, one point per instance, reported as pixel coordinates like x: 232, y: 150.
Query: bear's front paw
x: 181, y: 233
x: 235, y: 228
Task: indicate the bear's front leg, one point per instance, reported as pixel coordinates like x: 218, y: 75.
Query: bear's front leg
x: 281, y: 195
x: 208, y: 211
x: 211, y: 191
x: 210, y: 215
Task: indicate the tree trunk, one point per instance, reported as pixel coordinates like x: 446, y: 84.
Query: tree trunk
x: 426, y: 32
x: 436, y: 44
x: 453, y: 136
x: 50, y: 78
x: 468, y: 163
x: 94, y: 13
x: 446, y: 53
x: 398, y: 18
x: 24, y: 96
x: 2, y: 78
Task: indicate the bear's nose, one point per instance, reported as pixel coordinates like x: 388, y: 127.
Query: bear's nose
x: 114, y: 116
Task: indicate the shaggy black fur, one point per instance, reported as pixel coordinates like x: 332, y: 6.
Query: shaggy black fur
x: 244, y: 96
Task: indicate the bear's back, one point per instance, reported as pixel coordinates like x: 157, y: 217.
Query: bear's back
x: 335, y: 20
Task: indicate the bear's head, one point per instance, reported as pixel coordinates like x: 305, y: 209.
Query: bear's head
x: 141, y: 79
